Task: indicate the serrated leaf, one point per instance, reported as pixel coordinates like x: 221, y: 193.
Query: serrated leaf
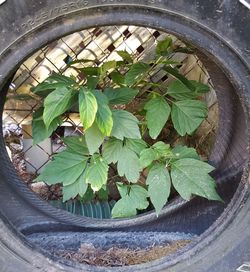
x: 180, y: 91
x: 138, y: 197
x: 162, y: 47
x: 162, y: 149
x: 158, y: 112
x: 133, y: 198
x: 112, y: 150
x: 159, y: 184
x: 125, y: 125
x: 187, y: 115
x: 190, y: 177
x: 107, y: 66
x: 136, y: 145
x: 128, y: 165
x: 125, y: 56
x: 97, y: 173
x: 122, y: 208
x: 66, y: 168
x: 104, y: 118
x: 135, y: 73
x: 79, y: 187
x: 175, y: 72
x: 182, y: 152
x: 45, y: 88
x: 39, y: 131
x: 92, y: 82
x: 56, y: 103
x: 87, y: 107
x: 120, y: 95
x: 76, y: 144
x: 147, y: 156
x: 94, y: 138
x: 117, y: 78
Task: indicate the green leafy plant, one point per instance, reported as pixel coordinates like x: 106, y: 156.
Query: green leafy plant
x: 123, y: 114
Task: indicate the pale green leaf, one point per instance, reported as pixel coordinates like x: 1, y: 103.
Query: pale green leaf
x: 190, y: 177
x: 108, y: 66
x: 187, y: 115
x: 159, y: 184
x: 66, y: 168
x: 157, y: 115
x: 39, y: 131
x: 112, y: 150
x: 162, y: 149
x: 138, y: 197
x: 163, y: 46
x: 56, y: 103
x: 79, y: 187
x: 136, y: 72
x: 97, y: 173
x: 125, y: 56
x: 136, y: 145
x: 94, y: 138
x: 182, y: 152
x: 87, y: 107
x: 76, y: 144
x: 125, y: 125
x: 128, y: 165
x: 147, y: 156
x: 123, y: 208
x: 104, y: 118
x: 120, y: 95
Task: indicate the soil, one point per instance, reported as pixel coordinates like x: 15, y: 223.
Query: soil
x: 116, y: 256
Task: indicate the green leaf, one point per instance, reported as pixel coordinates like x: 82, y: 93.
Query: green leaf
x: 39, y: 131
x: 133, y: 198
x: 120, y: 95
x: 45, y: 88
x: 138, y: 197
x: 125, y: 125
x: 104, y: 118
x: 125, y: 56
x: 92, y: 82
x: 122, y: 208
x: 76, y: 144
x: 128, y: 165
x: 187, y: 115
x: 66, y: 168
x: 79, y: 187
x: 159, y: 184
x: 147, y: 156
x: 87, y: 107
x: 180, y: 91
x: 91, y: 71
x: 117, y: 78
x: 175, y: 72
x: 97, y: 173
x: 112, y: 150
x: 157, y: 115
x: 190, y: 176
x: 162, y: 149
x: 136, y: 145
x: 94, y: 138
x: 182, y: 152
x: 162, y: 48
x: 136, y: 72
x: 55, y: 104
x: 67, y: 81
x: 107, y: 66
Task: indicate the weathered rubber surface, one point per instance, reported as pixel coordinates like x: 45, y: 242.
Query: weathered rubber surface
x: 219, y: 29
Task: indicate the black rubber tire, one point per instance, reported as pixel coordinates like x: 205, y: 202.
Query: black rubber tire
x: 219, y: 30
